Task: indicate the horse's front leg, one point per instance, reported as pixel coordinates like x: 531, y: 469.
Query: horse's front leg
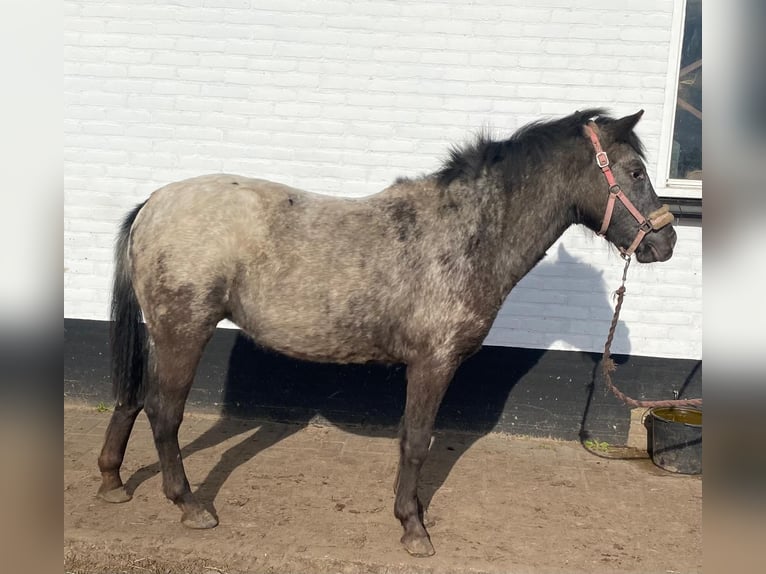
x: 427, y: 380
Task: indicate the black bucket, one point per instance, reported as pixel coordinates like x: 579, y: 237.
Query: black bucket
x: 676, y: 439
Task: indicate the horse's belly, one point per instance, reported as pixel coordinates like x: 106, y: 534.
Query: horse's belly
x: 305, y: 329
x: 326, y: 354
x: 317, y: 343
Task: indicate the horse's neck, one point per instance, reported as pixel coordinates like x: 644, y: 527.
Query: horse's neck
x: 536, y: 214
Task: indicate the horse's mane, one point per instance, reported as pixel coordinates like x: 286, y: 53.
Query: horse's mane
x: 532, y: 142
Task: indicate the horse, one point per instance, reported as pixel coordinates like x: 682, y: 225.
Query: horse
x: 412, y: 275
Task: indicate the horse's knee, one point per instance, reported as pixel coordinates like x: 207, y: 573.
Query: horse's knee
x: 414, y: 447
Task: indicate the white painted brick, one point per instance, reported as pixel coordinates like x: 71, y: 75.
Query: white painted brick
x: 199, y: 44
x: 152, y: 130
x: 154, y: 158
x: 564, y: 47
x: 573, y: 342
x: 103, y: 40
x: 75, y: 55
x: 85, y: 25
x: 341, y: 97
x: 165, y: 87
x: 150, y: 102
x: 72, y: 9
x: 92, y: 281
x: 79, y: 266
x: 201, y: 164
x: 184, y: 103
x: 80, y: 113
x: 242, y: 4
x: 129, y: 26
x: 195, y: 12
x: 158, y: 43
x: 104, y: 128
x: 598, y: 327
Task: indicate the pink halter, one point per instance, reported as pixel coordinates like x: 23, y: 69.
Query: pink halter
x: 656, y: 220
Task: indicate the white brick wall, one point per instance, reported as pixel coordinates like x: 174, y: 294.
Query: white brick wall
x: 343, y: 96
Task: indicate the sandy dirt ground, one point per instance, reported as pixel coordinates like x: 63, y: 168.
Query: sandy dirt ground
x: 319, y: 499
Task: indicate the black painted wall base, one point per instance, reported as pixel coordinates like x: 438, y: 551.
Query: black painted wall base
x: 512, y: 390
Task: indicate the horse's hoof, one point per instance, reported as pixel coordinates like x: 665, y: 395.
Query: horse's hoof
x: 115, y: 495
x: 420, y: 546
x: 199, y: 519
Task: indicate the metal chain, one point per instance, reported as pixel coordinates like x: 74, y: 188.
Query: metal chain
x: 608, y: 366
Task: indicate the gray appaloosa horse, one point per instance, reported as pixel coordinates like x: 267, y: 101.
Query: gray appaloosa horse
x: 414, y: 274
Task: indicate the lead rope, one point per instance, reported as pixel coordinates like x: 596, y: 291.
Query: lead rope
x: 608, y: 366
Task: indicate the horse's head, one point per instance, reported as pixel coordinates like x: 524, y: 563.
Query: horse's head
x: 618, y: 199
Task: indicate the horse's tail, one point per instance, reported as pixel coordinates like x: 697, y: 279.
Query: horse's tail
x: 127, y: 332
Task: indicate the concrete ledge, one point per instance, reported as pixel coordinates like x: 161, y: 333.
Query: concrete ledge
x: 511, y: 390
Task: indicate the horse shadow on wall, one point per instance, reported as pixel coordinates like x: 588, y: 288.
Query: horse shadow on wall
x: 496, y: 389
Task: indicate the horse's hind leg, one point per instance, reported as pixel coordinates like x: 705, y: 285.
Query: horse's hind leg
x: 427, y: 380
x: 113, y: 452
x: 173, y: 359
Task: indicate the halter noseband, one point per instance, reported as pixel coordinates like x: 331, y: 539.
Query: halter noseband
x: 657, y: 219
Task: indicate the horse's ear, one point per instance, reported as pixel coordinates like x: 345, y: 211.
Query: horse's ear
x: 621, y: 128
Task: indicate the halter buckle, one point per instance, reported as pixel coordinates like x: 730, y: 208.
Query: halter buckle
x: 602, y: 160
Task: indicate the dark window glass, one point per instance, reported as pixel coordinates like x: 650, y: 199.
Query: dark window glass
x: 686, y: 154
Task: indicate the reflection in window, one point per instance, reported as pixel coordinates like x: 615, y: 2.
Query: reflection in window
x: 686, y: 154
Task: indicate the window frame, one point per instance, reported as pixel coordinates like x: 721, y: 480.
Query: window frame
x: 674, y: 188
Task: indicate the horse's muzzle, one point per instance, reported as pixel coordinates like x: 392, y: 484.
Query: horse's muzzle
x: 657, y: 245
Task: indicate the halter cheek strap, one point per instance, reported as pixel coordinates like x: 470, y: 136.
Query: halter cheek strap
x: 656, y: 220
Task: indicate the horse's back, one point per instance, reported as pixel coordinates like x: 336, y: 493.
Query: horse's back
x: 290, y: 267
x: 200, y: 219
x: 215, y: 211
x: 224, y: 195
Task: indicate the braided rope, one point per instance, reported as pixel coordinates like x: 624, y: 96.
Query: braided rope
x: 608, y: 366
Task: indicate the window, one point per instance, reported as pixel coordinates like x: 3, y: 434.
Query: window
x: 679, y: 172
x: 686, y: 147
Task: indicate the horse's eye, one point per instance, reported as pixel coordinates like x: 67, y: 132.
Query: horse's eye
x: 637, y: 174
